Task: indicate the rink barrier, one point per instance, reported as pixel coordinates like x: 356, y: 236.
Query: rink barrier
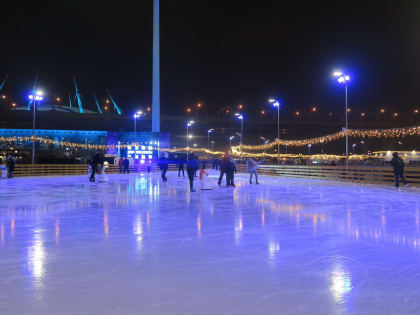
x: 24, y: 170
x: 375, y: 175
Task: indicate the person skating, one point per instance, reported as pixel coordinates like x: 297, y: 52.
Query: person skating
x: 97, y: 159
x: 163, y: 165
x: 230, y: 169
x: 223, y: 162
x: 10, y: 164
x: 251, y: 167
x: 181, y: 168
x: 121, y: 164
x: 398, y: 165
x: 192, y: 167
x: 126, y: 164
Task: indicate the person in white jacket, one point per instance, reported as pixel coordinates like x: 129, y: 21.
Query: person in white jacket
x: 251, y: 167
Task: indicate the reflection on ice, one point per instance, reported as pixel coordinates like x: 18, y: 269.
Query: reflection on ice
x: 36, y: 256
x: 340, y: 284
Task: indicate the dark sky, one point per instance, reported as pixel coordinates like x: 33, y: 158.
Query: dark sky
x: 217, y: 52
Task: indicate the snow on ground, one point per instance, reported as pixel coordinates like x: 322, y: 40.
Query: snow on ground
x: 135, y: 246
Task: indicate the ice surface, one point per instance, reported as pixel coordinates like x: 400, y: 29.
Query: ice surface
x: 135, y: 246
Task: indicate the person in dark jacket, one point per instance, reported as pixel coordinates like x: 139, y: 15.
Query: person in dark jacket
x: 398, y: 165
x: 192, y: 167
x: 163, y: 165
x: 126, y: 164
x: 223, y: 162
x: 230, y: 170
x: 121, y: 164
x: 10, y: 166
x: 97, y: 159
x: 181, y: 168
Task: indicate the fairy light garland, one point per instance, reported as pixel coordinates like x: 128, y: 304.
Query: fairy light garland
x: 373, y: 133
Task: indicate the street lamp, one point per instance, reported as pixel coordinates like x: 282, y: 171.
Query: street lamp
x: 354, y: 146
x: 208, y: 137
x: 277, y: 105
x: 309, y: 148
x: 344, y: 79
x: 364, y: 149
x: 230, y: 141
x: 38, y: 96
x: 135, y: 116
x: 241, y: 118
x: 189, y: 124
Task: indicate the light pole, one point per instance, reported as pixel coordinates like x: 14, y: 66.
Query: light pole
x: 354, y: 146
x: 212, y: 145
x: 364, y: 149
x: 189, y: 124
x: 208, y: 137
x: 277, y: 105
x: 344, y: 79
x: 309, y: 148
x: 135, y: 116
x: 37, y: 97
x: 241, y: 118
x: 230, y: 141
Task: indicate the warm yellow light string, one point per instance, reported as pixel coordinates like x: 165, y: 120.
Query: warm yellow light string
x: 373, y: 133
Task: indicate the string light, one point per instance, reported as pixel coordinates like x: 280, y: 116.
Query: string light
x: 372, y: 133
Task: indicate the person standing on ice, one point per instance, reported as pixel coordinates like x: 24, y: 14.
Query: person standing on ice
x: 251, y: 167
x: 121, y: 164
x: 230, y: 169
x: 126, y: 164
x: 10, y: 166
x: 398, y: 165
x: 223, y: 163
x: 163, y: 165
x: 181, y: 167
x: 192, y: 167
x: 98, y: 158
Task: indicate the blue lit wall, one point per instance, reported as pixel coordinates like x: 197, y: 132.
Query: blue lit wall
x: 79, y: 136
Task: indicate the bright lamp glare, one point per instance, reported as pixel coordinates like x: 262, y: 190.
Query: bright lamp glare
x: 340, y: 80
x: 347, y: 78
x: 31, y: 97
x: 271, y: 100
x: 39, y: 93
x: 337, y: 74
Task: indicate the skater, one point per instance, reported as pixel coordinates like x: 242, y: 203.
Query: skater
x: 223, y: 162
x: 192, y: 167
x: 181, y: 168
x: 126, y: 163
x: 163, y: 165
x: 98, y: 158
x: 230, y: 170
x: 251, y: 167
x: 121, y: 164
x: 398, y: 165
x: 10, y: 166
x: 203, y: 178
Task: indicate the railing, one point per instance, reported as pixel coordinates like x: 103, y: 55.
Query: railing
x: 362, y: 174
x: 377, y: 175
x: 22, y: 170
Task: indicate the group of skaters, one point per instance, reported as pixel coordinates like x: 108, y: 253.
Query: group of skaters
x: 225, y: 165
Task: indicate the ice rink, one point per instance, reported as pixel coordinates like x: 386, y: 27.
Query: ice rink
x: 135, y: 246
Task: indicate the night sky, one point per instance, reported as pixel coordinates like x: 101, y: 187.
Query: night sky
x: 216, y: 52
